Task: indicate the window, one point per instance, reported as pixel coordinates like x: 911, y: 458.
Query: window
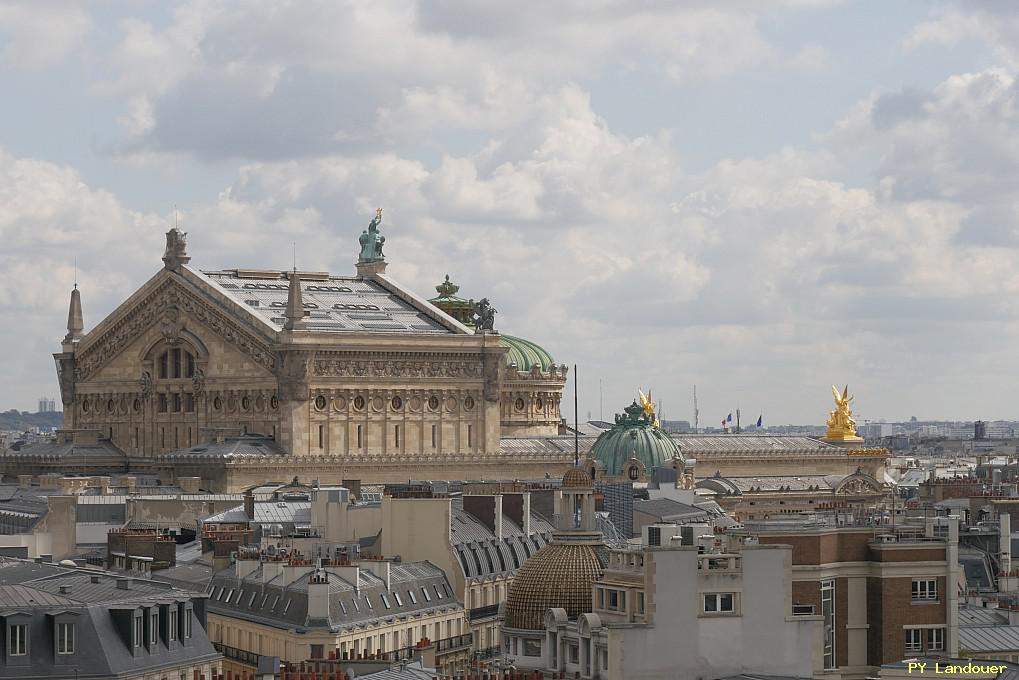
x: 532, y: 648
x: 396, y: 435
x: 913, y: 637
x: 574, y: 654
x: 171, y: 626
x: 424, y: 591
x: 440, y: 594
x: 286, y: 607
x: 718, y: 602
x: 385, y: 601
x: 828, y: 611
x: 399, y: 602
x: 413, y: 599
x: 318, y: 651
x: 640, y: 602
x: 153, y: 628
x: 935, y: 639
x: 187, y: 624
x: 357, y: 607
x: 359, y: 444
x: 470, y: 435
x: 65, y: 638
x: 17, y: 639
x: 368, y: 601
x: 434, y: 429
x: 139, y: 631
x: 321, y: 436
x: 925, y: 589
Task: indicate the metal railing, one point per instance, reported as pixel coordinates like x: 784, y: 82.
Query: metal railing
x: 479, y: 613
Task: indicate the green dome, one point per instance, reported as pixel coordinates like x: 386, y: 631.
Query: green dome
x: 634, y: 436
x: 525, y: 354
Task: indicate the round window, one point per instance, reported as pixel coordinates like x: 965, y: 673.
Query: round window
x: 433, y: 403
x: 320, y: 402
x: 217, y: 404
x: 274, y: 402
x: 397, y: 403
x: 137, y: 405
x: 469, y: 403
x: 519, y: 404
x: 85, y: 406
x: 539, y: 405
x: 246, y: 403
x: 359, y: 403
x: 110, y: 406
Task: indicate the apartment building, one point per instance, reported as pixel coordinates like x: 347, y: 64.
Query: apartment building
x: 886, y: 593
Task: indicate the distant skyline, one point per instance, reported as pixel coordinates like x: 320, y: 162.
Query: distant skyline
x: 760, y: 198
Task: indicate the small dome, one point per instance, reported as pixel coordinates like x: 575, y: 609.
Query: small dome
x: 575, y: 477
x: 558, y: 575
x: 525, y: 354
x: 634, y: 435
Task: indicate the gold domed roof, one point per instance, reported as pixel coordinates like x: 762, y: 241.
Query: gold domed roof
x: 558, y: 575
x: 576, y: 478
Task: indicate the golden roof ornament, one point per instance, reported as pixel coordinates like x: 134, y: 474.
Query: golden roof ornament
x: 841, y: 426
x: 649, y: 407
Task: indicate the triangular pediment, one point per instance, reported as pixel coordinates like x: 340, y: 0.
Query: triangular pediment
x: 169, y: 302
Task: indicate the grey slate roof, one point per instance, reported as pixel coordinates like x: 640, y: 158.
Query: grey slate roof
x: 478, y: 550
x: 244, y: 446
x: 663, y: 508
x: 92, y: 600
x: 989, y: 638
x: 297, y: 513
x: 981, y: 616
x: 338, y: 304
x: 275, y: 604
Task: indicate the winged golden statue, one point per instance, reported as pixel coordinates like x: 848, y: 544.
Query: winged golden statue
x: 649, y: 407
x: 841, y: 426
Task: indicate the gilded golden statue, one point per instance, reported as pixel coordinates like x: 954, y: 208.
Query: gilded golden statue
x: 841, y: 426
x: 649, y: 407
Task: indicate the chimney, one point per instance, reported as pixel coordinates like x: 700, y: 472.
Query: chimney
x: 24, y: 481
x: 318, y: 595
x: 295, y: 305
x: 249, y: 504
x: 75, y: 321
x: 1005, y: 541
x: 271, y: 569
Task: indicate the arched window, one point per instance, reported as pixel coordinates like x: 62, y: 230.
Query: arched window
x: 175, y: 362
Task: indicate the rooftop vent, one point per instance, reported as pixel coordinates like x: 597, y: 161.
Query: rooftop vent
x: 94, y: 579
x: 124, y: 584
x: 65, y: 589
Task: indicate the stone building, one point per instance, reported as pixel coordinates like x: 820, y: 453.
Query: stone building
x: 349, y: 376
x: 64, y: 622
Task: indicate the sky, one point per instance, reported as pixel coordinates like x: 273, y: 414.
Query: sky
x: 759, y: 197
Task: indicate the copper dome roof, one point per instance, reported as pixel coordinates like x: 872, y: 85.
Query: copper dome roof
x: 558, y: 575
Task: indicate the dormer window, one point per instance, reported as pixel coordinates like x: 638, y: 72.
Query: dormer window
x: 139, y: 630
x: 171, y: 626
x: 65, y: 638
x: 17, y: 639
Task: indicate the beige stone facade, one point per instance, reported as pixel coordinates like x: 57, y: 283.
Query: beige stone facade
x: 372, y: 382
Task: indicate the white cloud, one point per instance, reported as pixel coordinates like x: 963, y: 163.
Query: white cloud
x: 41, y: 33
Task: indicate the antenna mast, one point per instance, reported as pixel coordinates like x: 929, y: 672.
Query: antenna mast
x: 696, y: 413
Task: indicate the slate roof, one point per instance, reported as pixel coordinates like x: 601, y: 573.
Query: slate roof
x: 478, y: 550
x: 272, y: 603
x: 297, y: 513
x: 690, y: 444
x: 989, y: 638
x: 334, y: 304
x: 245, y: 446
x: 93, y: 598
x: 105, y: 452
x: 663, y: 508
x: 981, y: 616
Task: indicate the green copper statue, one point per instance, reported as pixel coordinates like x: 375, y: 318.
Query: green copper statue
x: 372, y: 241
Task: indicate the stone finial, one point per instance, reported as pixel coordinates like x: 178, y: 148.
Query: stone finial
x: 176, y: 249
x: 295, y: 305
x: 75, y: 321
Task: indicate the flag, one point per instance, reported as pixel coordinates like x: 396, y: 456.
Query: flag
x: 760, y: 419
x: 728, y: 418
x: 723, y: 422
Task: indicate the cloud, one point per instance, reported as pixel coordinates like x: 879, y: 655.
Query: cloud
x: 41, y: 33
x: 267, y: 80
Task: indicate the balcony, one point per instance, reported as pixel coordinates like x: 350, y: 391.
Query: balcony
x: 238, y: 655
x: 482, y: 613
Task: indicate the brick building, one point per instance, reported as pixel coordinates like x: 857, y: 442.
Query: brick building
x: 886, y: 593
